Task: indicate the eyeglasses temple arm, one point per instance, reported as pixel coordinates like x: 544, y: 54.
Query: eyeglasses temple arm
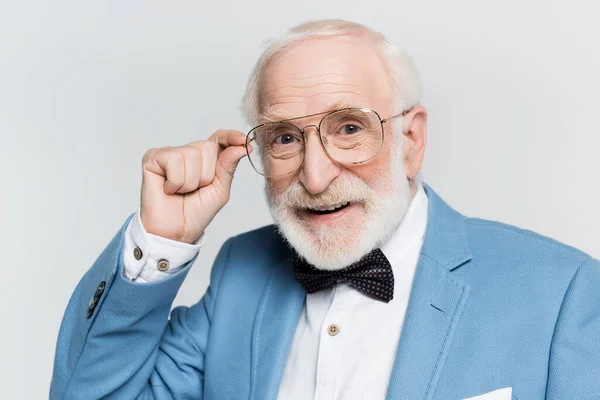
x: 402, y: 114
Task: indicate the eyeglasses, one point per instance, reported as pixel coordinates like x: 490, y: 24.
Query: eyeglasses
x: 349, y: 136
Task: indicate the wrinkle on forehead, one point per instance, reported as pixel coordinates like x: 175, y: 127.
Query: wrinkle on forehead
x: 301, y: 86
x: 314, y: 75
x: 333, y: 77
x: 272, y: 114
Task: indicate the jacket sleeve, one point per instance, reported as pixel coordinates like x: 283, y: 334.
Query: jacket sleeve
x: 574, y: 368
x: 127, y: 347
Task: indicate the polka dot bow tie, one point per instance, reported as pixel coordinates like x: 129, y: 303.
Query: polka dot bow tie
x: 372, y: 275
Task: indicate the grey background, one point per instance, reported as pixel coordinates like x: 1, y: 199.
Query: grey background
x: 86, y: 87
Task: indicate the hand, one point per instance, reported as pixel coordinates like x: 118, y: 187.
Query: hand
x: 183, y: 188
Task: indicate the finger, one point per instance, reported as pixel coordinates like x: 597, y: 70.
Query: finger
x: 209, y: 161
x: 193, y: 169
x: 227, y: 137
x: 150, y: 163
x: 170, y: 163
x: 200, y: 165
x: 223, y: 138
x: 227, y: 163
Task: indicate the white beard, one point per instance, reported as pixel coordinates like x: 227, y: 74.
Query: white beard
x: 331, y: 247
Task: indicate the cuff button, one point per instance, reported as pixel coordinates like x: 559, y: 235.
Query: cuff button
x: 163, y: 265
x: 137, y: 253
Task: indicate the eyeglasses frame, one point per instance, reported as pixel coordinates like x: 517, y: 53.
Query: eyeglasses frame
x: 318, y: 127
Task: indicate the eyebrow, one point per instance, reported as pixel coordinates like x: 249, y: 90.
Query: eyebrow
x: 271, y: 115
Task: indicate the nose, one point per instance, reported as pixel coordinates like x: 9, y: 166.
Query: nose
x: 318, y: 170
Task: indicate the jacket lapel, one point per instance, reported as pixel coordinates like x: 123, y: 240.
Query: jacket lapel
x: 436, y: 303
x: 274, y: 329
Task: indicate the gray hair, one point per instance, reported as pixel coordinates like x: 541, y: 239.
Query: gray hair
x: 403, y: 75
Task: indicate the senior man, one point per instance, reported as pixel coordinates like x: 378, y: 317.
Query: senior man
x: 368, y: 285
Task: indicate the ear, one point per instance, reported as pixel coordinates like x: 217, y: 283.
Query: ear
x: 414, y: 139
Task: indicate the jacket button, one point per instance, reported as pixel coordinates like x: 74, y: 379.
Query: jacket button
x: 100, y: 288
x: 94, y: 301
x: 163, y: 265
x: 91, y: 307
x: 137, y: 253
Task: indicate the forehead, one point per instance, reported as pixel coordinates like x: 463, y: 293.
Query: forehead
x: 319, y: 74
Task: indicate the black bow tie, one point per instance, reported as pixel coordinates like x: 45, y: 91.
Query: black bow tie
x: 372, y: 275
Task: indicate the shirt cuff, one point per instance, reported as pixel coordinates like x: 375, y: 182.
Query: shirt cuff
x: 150, y: 258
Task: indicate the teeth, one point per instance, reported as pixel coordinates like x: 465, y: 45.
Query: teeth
x: 331, y: 208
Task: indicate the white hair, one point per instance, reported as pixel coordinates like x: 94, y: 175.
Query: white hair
x: 404, y: 78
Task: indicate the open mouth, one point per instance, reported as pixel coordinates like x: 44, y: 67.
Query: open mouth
x: 329, y: 209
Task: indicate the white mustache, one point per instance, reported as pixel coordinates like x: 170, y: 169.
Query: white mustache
x: 350, y: 189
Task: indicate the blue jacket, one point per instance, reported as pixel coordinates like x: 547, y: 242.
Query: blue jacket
x: 491, y: 306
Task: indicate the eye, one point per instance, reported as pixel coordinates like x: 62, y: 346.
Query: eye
x: 349, y: 129
x: 285, y: 138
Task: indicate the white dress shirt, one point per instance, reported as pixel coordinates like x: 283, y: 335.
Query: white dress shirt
x: 345, y: 342
x: 142, y: 251
x: 356, y: 361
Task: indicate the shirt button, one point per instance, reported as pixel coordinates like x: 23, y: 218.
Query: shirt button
x: 333, y: 329
x: 137, y: 253
x: 163, y: 265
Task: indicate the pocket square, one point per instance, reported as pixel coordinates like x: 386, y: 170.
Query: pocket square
x: 500, y: 394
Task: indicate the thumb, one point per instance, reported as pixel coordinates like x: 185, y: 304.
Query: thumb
x: 227, y: 163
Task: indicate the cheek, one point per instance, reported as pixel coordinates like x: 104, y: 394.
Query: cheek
x: 279, y: 185
x: 372, y: 172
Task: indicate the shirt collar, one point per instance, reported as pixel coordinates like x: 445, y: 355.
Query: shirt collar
x: 411, y: 231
